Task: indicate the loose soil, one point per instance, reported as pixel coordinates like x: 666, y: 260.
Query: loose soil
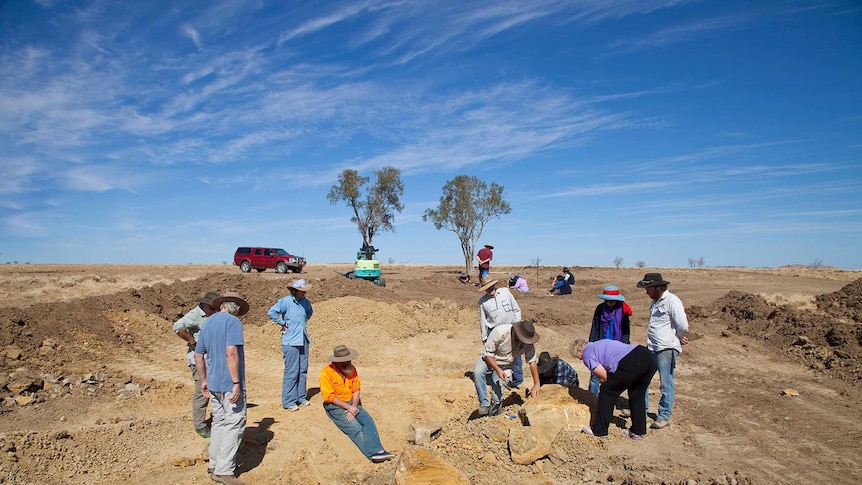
x: 94, y: 386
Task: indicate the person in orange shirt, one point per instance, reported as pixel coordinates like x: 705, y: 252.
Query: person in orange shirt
x: 340, y: 386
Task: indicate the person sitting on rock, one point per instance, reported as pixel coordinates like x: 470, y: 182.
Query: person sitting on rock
x: 340, y: 387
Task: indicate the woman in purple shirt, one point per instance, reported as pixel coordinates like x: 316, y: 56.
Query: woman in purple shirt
x: 619, y: 367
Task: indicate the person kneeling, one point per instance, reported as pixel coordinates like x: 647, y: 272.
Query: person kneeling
x: 340, y: 387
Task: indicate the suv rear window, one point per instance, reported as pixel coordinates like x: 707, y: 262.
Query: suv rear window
x: 243, y: 251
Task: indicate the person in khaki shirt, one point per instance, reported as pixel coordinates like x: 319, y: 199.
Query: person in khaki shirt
x: 504, y: 344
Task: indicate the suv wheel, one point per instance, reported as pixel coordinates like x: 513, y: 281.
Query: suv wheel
x: 281, y: 268
x: 245, y: 266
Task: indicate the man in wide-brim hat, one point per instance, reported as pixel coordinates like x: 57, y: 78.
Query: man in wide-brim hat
x: 666, y: 334
x: 484, y: 257
x: 554, y: 370
x: 504, y: 343
x: 496, y: 307
x: 222, y: 377
x: 340, y: 387
x: 188, y: 328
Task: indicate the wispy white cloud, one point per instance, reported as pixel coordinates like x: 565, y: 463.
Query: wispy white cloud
x: 192, y: 34
x: 681, y: 33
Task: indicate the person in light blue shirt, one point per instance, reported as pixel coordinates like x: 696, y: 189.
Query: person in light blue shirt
x: 292, y: 314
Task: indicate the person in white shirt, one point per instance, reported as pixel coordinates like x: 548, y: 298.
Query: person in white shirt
x: 666, y: 333
x: 497, y: 307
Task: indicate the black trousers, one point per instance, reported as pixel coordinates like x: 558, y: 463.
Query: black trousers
x: 633, y: 374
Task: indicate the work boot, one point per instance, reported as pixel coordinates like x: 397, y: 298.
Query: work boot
x: 483, y: 410
x: 226, y: 479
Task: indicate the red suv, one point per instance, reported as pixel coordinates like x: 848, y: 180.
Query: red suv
x: 262, y: 258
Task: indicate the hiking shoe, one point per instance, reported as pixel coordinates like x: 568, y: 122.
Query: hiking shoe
x: 626, y: 413
x: 483, y: 410
x: 382, y: 456
x: 226, y: 479
x: 628, y: 434
x: 292, y: 408
x: 659, y: 424
x: 203, y: 432
x: 588, y: 430
x: 304, y: 402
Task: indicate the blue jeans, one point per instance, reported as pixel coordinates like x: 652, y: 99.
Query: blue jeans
x: 361, y: 429
x: 483, y: 273
x: 666, y: 364
x: 293, y: 384
x: 518, y: 372
x: 481, y: 373
x: 594, y: 384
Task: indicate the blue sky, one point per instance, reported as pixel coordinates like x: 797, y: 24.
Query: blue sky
x: 651, y: 130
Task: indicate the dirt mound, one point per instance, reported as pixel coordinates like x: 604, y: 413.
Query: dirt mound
x: 828, y: 339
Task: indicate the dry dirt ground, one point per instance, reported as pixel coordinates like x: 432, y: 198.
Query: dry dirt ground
x: 94, y: 387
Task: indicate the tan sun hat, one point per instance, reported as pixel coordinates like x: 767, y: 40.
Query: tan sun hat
x: 487, y: 286
x: 233, y: 297
x: 343, y: 354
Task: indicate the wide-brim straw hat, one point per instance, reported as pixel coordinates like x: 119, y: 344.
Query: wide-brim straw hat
x: 487, y: 286
x: 234, y: 297
x: 343, y: 354
x: 526, y: 332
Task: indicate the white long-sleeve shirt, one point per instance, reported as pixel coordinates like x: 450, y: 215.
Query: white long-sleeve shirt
x: 667, y: 323
x: 497, y: 309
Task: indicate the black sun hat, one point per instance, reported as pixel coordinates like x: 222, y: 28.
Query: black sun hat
x: 652, y: 279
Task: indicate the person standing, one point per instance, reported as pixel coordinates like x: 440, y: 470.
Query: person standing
x: 496, y: 307
x: 220, y: 361
x: 666, y: 334
x: 188, y: 328
x: 292, y: 314
x: 340, y: 387
x: 505, y: 342
x: 619, y: 367
x: 610, y: 321
x: 484, y: 256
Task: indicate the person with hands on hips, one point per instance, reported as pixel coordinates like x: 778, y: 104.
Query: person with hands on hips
x: 292, y: 314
